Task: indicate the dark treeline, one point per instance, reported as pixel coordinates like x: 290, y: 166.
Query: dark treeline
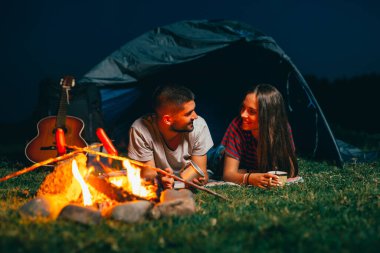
x: 350, y: 103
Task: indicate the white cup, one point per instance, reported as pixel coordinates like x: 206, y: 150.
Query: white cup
x: 283, y: 175
x: 191, y: 171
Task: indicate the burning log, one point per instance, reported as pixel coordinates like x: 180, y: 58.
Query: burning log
x: 108, y: 189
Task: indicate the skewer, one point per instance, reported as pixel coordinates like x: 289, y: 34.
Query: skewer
x: 50, y: 160
x: 140, y: 164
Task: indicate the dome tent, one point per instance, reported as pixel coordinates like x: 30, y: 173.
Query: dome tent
x: 219, y: 60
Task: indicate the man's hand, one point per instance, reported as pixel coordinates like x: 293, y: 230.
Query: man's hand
x: 200, y: 180
x: 167, y: 181
x: 201, y: 161
x: 148, y: 174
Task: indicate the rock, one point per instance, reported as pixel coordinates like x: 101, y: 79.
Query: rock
x: 154, y: 213
x: 81, y: 214
x: 131, y: 212
x: 174, y: 203
x: 171, y: 194
x: 177, y: 207
x: 37, y: 207
x: 48, y: 206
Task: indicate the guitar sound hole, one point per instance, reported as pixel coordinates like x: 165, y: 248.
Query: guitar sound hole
x: 64, y: 130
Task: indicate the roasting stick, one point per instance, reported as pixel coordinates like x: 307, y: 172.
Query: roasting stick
x: 120, y: 158
x: 50, y: 160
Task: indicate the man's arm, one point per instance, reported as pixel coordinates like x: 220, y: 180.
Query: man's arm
x: 201, y: 161
x: 139, y: 149
x: 139, y: 145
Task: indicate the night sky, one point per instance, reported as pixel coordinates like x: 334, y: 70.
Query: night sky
x: 40, y: 39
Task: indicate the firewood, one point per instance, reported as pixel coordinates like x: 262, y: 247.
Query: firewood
x: 111, y: 191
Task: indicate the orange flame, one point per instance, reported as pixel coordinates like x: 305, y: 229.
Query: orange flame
x: 87, y: 199
x: 135, y: 183
x: 130, y: 181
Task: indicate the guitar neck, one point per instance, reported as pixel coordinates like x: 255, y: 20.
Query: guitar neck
x: 61, y: 115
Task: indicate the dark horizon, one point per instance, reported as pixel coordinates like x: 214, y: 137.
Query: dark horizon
x: 46, y: 39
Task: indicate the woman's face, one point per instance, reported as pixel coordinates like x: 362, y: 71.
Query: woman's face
x: 250, y: 114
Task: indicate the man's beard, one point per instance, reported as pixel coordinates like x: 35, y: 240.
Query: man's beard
x: 183, y: 130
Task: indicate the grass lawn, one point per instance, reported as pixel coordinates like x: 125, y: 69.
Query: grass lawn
x: 334, y: 210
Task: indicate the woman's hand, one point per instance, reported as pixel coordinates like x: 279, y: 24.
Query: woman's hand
x: 167, y: 182
x: 264, y: 180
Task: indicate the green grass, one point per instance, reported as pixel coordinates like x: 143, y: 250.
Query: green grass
x: 334, y: 210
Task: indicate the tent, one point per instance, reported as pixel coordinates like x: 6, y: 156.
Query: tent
x: 218, y: 60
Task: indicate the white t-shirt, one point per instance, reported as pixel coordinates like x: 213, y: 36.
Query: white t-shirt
x: 146, y: 143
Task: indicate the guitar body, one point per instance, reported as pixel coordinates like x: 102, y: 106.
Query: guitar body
x: 43, y: 146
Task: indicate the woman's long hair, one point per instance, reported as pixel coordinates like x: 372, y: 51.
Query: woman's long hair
x: 275, y: 148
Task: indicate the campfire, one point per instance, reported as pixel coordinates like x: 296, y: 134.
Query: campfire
x: 87, y: 191
x: 80, y: 192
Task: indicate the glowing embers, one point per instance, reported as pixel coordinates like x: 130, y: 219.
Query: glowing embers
x: 117, y: 185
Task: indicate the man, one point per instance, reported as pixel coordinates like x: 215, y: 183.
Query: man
x: 172, y: 136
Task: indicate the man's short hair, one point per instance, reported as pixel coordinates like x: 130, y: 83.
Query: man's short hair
x: 171, y: 95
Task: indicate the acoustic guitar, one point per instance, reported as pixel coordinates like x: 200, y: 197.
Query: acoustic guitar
x: 43, y: 146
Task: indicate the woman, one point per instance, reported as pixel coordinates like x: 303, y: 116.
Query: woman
x: 259, y: 140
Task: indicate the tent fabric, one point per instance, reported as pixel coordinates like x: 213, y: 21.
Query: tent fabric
x: 172, y: 44
x: 219, y: 60
x: 352, y: 154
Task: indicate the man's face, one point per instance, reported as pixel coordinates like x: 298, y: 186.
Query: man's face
x: 250, y: 113
x: 183, y: 119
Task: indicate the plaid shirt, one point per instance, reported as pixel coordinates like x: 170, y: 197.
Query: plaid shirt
x: 242, y: 145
